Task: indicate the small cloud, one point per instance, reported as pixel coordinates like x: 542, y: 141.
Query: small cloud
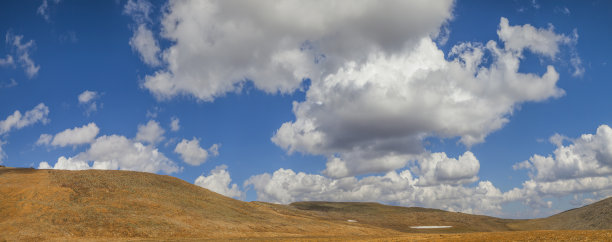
x: 535, y: 4
x: 87, y: 96
x: 146, y: 45
x: 143, y: 42
x: 174, y: 124
x: 43, y: 9
x: 75, y: 136
x: 10, y: 84
x: 139, y: 10
x: 22, y: 52
x: 214, y: 149
x: 151, y: 132
x: 86, y: 99
x: 18, y: 120
x: 558, y: 139
x: 575, y: 60
x: 563, y: 10
x: 192, y: 153
x: 219, y: 181
x: 7, y: 61
x: 44, y: 139
x: 2, y: 154
x: 152, y: 113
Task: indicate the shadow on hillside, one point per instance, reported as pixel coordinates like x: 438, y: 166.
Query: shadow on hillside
x: 16, y: 170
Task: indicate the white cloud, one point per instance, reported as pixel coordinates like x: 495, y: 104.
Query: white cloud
x: 542, y: 41
x: 146, y: 45
x: 214, y: 149
x: 143, y: 41
x: 64, y: 163
x: 44, y: 139
x: 139, y: 10
x: 192, y: 153
x: 219, y: 181
x: 8, y: 61
x: 588, y: 156
x: 583, y: 166
x: 218, y: 45
x: 174, y: 124
x: 440, y: 169
x: 535, y: 4
x: 18, y: 121
x: 153, y: 112
x: 117, y: 152
x: 151, y: 132
x: 575, y: 60
x: 563, y: 10
x: 2, y: 153
x: 285, y: 186
x: 43, y: 10
x: 372, y: 117
x: 23, y: 51
x: 362, y: 58
x: 75, y: 136
x: 87, y: 96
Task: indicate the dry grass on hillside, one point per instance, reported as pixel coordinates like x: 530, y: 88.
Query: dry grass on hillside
x: 120, y: 204
x: 594, y: 216
x: 123, y: 205
x: 402, y: 218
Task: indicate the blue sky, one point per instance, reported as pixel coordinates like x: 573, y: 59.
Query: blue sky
x: 497, y: 108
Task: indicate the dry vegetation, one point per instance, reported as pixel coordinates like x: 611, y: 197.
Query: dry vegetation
x: 122, y: 205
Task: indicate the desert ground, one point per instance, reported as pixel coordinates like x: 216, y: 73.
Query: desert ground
x: 101, y: 205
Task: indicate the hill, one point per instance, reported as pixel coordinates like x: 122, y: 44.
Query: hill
x: 403, y: 218
x: 38, y: 204
x: 594, y: 216
x: 125, y: 205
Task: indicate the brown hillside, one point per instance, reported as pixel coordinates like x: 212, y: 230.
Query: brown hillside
x: 124, y: 205
x: 594, y: 216
x: 402, y: 218
x: 120, y: 204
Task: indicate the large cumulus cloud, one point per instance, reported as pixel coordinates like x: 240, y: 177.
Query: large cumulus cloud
x: 582, y: 166
x: 218, y: 45
x: 379, y: 83
x: 372, y: 116
x: 427, y: 187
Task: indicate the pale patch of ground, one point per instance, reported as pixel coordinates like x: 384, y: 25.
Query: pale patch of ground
x: 431, y: 227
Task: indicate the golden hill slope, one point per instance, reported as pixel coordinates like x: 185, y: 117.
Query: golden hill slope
x: 590, y: 217
x: 119, y: 205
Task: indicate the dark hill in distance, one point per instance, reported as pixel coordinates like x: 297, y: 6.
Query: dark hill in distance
x: 125, y: 205
x: 403, y: 218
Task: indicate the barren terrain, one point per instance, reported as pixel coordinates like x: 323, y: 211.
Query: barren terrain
x: 124, y: 205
